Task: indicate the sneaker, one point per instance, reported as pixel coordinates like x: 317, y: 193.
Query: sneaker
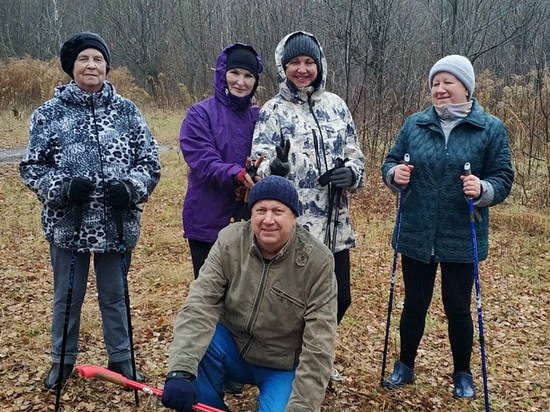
x: 335, y: 376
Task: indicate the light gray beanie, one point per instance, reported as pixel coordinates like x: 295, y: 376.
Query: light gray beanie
x: 460, y: 67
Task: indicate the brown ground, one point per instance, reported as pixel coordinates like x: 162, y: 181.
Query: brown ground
x: 515, y: 297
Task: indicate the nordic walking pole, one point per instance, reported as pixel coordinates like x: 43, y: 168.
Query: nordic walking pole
x: 91, y: 371
x: 74, y: 250
x: 124, y: 268
x: 338, y: 196
x: 406, y: 160
x: 468, y: 171
x: 336, y: 214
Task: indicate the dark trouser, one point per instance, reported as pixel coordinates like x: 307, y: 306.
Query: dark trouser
x: 342, y: 269
x: 111, y: 299
x: 199, y: 252
x: 456, y: 290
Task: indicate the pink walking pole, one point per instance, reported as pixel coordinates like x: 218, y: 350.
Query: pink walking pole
x: 91, y: 371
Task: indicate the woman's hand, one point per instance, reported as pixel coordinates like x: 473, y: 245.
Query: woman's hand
x: 247, y: 176
x: 402, y: 174
x: 471, y: 185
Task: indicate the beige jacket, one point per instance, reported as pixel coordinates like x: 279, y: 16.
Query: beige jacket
x: 279, y: 312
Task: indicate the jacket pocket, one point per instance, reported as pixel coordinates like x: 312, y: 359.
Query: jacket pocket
x: 295, y: 301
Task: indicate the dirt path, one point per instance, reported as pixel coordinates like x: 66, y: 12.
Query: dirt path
x: 8, y: 156
x: 11, y: 156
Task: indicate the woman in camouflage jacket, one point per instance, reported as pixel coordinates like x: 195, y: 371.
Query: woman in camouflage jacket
x: 306, y: 132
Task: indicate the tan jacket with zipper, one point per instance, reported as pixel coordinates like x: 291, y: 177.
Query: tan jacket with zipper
x: 279, y: 312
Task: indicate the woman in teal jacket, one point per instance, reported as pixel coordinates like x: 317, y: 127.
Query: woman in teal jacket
x: 435, y: 229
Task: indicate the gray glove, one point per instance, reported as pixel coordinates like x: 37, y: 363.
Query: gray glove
x: 342, y: 177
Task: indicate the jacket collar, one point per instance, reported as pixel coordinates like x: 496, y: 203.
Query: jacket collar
x: 73, y: 94
x: 475, y: 118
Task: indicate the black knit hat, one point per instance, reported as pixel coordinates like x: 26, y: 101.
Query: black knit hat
x: 242, y: 57
x: 276, y: 188
x: 78, y: 42
x: 301, y: 44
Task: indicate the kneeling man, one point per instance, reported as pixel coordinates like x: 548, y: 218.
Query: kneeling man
x: 262, y: 312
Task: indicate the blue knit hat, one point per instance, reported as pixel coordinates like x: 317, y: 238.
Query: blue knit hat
x: 276, y: 188
x: 460, y: 67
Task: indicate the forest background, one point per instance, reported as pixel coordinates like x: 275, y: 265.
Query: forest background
x: 379, y: 53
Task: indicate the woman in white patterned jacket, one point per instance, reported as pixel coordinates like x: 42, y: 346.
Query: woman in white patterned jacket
x: 307, y: 134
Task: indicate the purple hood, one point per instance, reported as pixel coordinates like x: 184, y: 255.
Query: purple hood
x: 215, y: 139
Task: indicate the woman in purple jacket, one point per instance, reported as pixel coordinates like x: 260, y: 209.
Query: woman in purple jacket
x: 216, y: 139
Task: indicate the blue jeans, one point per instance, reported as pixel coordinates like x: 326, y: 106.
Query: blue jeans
x: 110, y: 291
x: 222, y: 360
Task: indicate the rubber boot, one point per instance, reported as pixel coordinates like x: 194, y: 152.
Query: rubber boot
x: 402, y: 375
x: 51, y: 380
x: 125, y: 369
x: 464, y: 385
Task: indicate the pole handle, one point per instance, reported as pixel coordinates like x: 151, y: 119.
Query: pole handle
x: 467, y: 169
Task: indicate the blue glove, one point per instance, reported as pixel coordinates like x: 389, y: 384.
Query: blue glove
x: 342, y: 177
x: 119, y: 194
x: 179, y: 393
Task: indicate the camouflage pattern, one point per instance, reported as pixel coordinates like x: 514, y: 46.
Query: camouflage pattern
x: 320, y: 129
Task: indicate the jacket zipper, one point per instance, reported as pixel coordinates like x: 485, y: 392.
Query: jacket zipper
x: 318, y: 142
x: 100, y: 155
x: 255, y: 308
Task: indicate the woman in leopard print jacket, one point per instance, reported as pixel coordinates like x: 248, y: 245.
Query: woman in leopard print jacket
x: 92, y: 161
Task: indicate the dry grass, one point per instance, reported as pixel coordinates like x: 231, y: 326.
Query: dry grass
x: 515, y: 297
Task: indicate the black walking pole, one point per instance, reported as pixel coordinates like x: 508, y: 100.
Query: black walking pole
x: 406, y: 160
x: 74, y: 250
x: 117, y: 213
x: 336, y: 217
x: 468, y: 171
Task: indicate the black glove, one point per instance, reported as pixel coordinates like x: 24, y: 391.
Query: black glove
x: 179, y: 393
x: 342, y: 177
x: 280, y: 166
x: 119, y: 194
x: 78, y: 190
x: 241, y: 176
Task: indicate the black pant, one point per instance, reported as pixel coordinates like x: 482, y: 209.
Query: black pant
x: 199, y: 252
x: 456, y: 290
x: 341, y: 270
